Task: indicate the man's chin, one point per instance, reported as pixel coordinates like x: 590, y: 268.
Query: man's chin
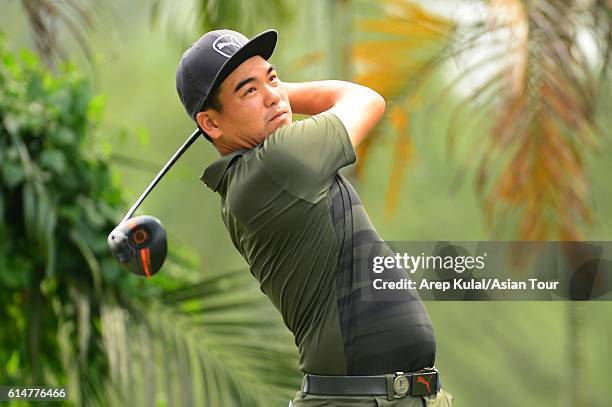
x: 276, y: 126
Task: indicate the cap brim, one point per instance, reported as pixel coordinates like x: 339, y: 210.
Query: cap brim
x: 262, y: 44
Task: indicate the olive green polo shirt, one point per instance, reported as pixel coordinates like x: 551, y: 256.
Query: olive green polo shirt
x: 304, y: 233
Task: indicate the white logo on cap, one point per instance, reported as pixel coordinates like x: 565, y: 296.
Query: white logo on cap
x: 226, y: 43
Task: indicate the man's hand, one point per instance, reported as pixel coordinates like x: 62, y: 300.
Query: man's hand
x: 358, y: 108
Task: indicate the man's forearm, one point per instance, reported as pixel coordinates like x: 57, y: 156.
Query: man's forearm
x: 359, y: 108
x: 318, y: 96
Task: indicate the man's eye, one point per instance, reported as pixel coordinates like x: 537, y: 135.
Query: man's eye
x: 249, y: 90
x: 273, y: 77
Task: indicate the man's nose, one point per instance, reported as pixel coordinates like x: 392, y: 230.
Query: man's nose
x: 272, y: 95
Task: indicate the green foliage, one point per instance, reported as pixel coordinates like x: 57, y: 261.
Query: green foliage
x: 56, y: 200
x: 71, y: 317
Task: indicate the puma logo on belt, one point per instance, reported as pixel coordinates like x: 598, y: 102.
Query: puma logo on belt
x: 422, y: 380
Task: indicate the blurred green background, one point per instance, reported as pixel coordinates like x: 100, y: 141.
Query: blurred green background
x: 414, y: 185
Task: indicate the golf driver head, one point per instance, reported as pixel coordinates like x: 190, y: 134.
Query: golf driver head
x: 139, y: 245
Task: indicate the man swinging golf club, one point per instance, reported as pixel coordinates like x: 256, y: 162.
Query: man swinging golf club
x: 301, y: 226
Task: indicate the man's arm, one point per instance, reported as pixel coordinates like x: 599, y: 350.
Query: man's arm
x: 358, y: 108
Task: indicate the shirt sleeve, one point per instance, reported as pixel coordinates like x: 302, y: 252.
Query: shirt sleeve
x: 305, y: 156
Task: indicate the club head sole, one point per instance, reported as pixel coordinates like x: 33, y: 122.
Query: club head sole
x: 139, y: 244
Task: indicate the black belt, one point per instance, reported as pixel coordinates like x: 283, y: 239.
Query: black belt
x: 395, y: 385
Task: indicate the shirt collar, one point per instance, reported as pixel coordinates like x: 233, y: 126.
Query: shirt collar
x: 213, y: 174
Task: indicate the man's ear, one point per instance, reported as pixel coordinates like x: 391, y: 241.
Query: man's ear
x: 207, y: 122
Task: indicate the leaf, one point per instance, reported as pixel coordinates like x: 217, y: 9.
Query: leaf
x: 93, y: 216
x: 81, y: 298
x: 63, y: 136
x: 65, y: 330
x: 92, y: 262
x: 96, y: 108
x: 1, y: 210
x: 29, y: 211
x: 44, y: 227
x: 13, y: 363
x: 53, y: 160
x: 15, y: 272
x: 12, y: 174
x: 114, y: 335
x: 51, y: 222
x: 403, y: 154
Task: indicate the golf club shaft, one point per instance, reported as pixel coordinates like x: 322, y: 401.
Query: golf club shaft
x: 196, y: 133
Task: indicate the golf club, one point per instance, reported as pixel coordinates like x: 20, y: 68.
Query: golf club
x: 139, y: 243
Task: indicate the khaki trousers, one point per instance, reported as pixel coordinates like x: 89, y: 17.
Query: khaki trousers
x: 440, y: 399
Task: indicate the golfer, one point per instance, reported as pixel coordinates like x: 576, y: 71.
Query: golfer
x: 301, y: 226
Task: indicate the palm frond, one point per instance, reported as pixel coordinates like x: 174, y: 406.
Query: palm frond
x: 543, y: 113
x: 408, y: 40
x: 242, y: 15
x: 46, y: 17
x: 408, y: 46
x: 218, y: 342
x: 403, y: 151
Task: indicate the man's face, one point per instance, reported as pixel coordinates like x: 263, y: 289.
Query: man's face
x: 254, y: 104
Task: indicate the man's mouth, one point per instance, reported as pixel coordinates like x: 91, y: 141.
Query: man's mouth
x: 279, y: 116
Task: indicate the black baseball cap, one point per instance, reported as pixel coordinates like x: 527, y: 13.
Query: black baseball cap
x: 211, y: 59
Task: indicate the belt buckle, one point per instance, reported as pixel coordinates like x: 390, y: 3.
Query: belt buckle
x: 424, y: 382
x: 400, y: 385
